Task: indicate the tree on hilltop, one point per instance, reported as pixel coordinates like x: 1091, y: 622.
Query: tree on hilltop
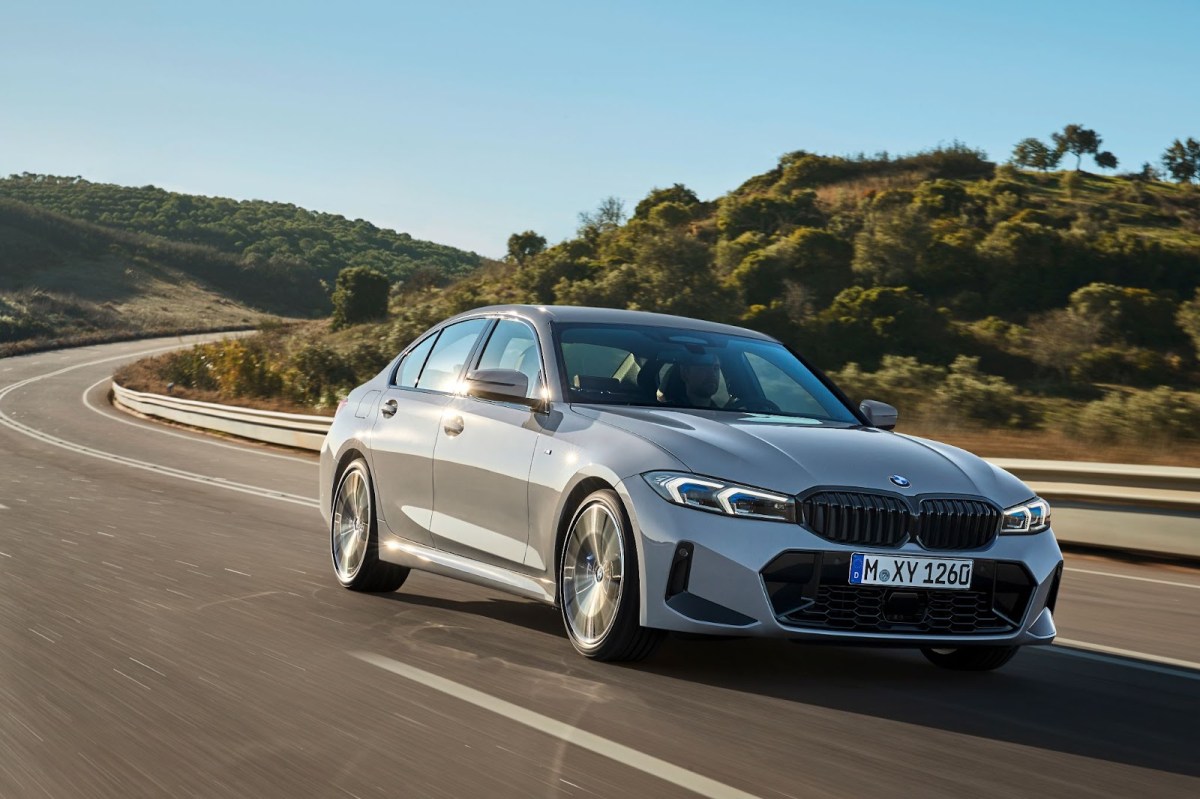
x: 1033, y: 153
x: 1078, y: 141
x: 1182, y: 160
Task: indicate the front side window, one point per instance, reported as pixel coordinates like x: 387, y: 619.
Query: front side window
x: 681, y: 368
x: 449, y: 355
x: 513, y: 345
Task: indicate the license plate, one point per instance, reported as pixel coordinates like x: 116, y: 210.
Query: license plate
x: 941, y: 573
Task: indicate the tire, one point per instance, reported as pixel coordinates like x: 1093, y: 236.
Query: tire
x: 598, y: 555
x: 971, y: 658
x: 354, y: 535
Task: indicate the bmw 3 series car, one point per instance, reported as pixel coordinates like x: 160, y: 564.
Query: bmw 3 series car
x: 647, y: 473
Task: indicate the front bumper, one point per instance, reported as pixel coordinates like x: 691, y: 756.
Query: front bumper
x: 711, y: 574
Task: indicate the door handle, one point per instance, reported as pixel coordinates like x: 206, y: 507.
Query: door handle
x: 389, y: 408
x: 453, y: 426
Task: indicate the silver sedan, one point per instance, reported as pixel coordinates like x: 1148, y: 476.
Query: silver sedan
x: 647, y: 473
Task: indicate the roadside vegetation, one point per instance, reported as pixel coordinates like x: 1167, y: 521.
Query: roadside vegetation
x: 1044, y: 307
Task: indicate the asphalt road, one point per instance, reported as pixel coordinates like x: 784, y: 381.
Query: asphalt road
x: 169, y: 626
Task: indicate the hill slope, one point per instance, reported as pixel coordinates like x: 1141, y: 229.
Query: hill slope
x: 257, y: 231
x: 67, y: 281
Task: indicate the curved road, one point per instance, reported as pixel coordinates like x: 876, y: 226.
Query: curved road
x: 169, y: 627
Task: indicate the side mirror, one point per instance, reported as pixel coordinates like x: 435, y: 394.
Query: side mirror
x: 501, y: 385
x: 879, y: 414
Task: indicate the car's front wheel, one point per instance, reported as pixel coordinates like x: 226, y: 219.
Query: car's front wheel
x: 598, y: 583
x: 354, y: 535
x: 971, y: 658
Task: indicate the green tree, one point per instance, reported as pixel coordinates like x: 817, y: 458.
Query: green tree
x: 1076, y: 140
x: 523, y: 246
x: 1134, y: 316
x: 1033, y: 153
x: 678, y: 193
x: 361, y: 295
x: 765, y: 213
x: 1182, y: 160
x: 1106, y: 160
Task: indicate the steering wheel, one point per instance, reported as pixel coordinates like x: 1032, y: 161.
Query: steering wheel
x: 760, y: 405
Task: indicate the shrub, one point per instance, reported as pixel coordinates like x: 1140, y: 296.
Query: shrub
x: 969, y: 394
x: 898, y: 376
x: 1125, y: 365
x: 361, y: 295
x: 1161, y: 414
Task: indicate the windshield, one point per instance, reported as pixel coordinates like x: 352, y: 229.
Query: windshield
x: 680, y: 368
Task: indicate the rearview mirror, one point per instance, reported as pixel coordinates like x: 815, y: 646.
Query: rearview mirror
x: 879, y: 414
x: 501, y: 385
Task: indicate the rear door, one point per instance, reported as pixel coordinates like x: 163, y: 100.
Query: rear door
x: 482, y: 459
x: 407, y: 426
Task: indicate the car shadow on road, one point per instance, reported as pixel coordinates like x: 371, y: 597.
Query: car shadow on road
x: 1051, y: 700
x: 1101, y: 709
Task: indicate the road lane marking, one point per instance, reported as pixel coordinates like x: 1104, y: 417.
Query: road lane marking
x: 200, y: 438
x: 1126, y: 657
x: 1132, y: 577
x: 143, y: 665
x: 134, y: 463
x: 131, y: 679
x: 3, y: 507
x: 648, y: 764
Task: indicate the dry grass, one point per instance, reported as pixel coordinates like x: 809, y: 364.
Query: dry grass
x: 1054, y: 445
x: 144, y: 375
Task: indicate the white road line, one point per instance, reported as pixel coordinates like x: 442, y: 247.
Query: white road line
x: 134, y: 463
x: 3, y: 507
x: 625, y: 755
x: 1132, y: 577
x: 1125, y: 657
x: 199, y: 438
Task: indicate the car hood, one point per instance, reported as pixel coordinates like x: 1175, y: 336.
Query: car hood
x: 791, y: 455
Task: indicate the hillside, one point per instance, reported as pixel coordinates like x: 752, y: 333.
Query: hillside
x: 256, y: 231
x: 975, y: 297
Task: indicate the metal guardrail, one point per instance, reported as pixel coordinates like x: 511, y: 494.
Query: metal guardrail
x: 1122, y: 493
x: 289, y: 429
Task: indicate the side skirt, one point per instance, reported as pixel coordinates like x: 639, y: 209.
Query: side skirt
x: 422, y: 558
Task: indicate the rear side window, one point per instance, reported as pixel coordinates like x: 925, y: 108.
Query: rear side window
x: 410, y: 367
x: 449, y: 355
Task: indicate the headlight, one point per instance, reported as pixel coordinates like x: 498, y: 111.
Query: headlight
x: 719, y: 496
x: 1031, y: 517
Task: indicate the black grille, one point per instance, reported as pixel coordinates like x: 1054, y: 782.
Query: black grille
x: 867, y: 609
x: 957, y: 523
x: 853, y: 518
x: 811, y: 590
x: 888, y: 520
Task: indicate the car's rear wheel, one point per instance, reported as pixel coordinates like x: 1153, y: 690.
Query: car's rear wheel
x: 354, y: 536
x: 971, y: 658
x: 598, y: 583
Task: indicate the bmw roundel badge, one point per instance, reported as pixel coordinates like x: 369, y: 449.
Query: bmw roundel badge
x: 900, y: 480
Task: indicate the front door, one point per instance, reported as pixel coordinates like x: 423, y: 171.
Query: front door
x: 482, y: 459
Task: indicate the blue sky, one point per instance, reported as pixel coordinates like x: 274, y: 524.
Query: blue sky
x: 464, y: 122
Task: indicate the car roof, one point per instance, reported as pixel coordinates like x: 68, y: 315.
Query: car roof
x: 570, y: 314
